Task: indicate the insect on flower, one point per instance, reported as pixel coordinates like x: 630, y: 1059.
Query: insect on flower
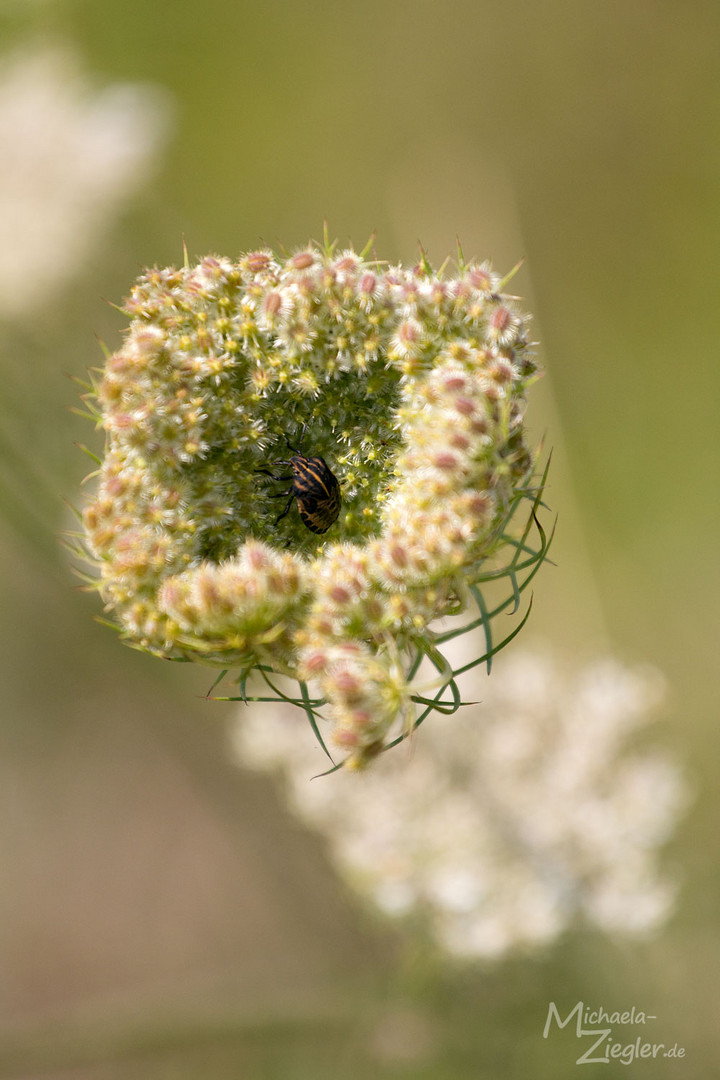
x: 314, y: 486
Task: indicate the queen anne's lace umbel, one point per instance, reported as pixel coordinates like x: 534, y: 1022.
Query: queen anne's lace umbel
x: 409, y: 383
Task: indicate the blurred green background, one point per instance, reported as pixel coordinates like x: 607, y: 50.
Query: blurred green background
x: 162, y: 915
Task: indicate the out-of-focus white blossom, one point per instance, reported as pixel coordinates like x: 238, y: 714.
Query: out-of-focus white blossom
x: 506, y: 821
x: 70, y: 157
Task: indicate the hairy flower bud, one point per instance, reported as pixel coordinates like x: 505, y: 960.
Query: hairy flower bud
x: 384, y: 406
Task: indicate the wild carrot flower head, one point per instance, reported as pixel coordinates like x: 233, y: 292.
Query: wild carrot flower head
x: 241, y: 383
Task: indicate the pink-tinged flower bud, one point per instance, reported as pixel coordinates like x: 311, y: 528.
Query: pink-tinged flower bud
x: 500, y: 320
x: 315, y: 662
x: 445, y: 459
x: 362, y: 719
x: 346, y: 739
x: 210, y: 269
x: 257, y: 261
x: 480, y: 278
x: 478, y: 503
x: 209, y: 596
x: 256, y: 556
x: 339, y: 594
x: 115, y: 486
x: 347, y: 685
x: 346, y: 262
x: 455, y: 383
x: 398, y: 555
x: 324, y: 626
x: 302, y: 260
x: 502, y: 371
x: 464, y: 406
x: 273, y: 304
x: 479, y: 425
x: 368, y: 284
x: 409, y: 335
x: 459, y: 440
x: 120, y: 422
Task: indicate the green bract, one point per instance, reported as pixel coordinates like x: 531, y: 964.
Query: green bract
x: 408, y: 383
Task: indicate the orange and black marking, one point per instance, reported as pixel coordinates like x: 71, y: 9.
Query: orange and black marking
x: 315, y: 488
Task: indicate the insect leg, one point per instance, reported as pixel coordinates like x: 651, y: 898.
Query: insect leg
x: 289, y: 503
x: 272, y: 475
x: 302, y: 439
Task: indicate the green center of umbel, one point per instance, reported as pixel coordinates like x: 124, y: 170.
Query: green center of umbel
x: 343, y: 426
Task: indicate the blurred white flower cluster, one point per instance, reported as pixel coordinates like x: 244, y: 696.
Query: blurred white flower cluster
x: 507, y: 821
x: 70, y: 157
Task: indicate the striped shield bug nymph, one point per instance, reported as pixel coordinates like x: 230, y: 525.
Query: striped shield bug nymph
x: 314, y: 487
